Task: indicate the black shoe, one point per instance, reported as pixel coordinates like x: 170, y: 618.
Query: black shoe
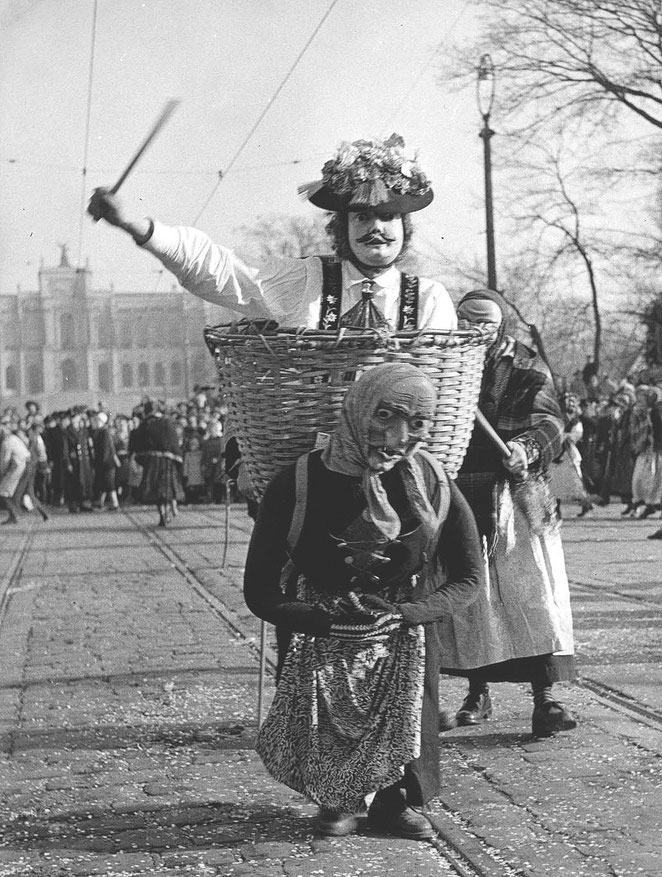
x: 334, y: 824
x: 585, y: 510
x: 656, y: 535
x: 476, y: 706
x: 628, y: 508
x: 399, y: 819
x: 647, y: 512
x: 551, y: 717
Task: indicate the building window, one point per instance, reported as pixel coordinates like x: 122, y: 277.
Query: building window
x: 127, y: 375
x: 32, y: 330
x: 105, y: 330
x: 125, y: 330
x: 104, y: 377
x: 35, y: 378
x: 143, y: 375
x: 67, y: 332
x: 159, y: 375
x: 69, y: 375
x: 11, y: 378
x: 176, y: 374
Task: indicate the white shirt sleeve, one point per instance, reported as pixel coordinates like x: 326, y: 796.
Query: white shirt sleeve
x: 217, y: 275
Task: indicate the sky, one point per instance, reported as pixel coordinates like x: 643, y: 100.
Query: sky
x: 80, y: 90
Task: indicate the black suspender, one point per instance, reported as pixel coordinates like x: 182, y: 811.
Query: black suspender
x: 331, y: 304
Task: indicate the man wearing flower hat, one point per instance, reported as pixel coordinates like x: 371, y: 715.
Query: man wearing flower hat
x: 370, y: 187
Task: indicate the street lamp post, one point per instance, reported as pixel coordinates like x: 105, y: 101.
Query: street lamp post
x: 485, y: 94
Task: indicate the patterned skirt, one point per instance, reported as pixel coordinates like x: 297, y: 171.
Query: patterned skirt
x: 346, y: 716
x: 161, y: 481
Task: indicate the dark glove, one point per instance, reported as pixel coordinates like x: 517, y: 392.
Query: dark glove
x: 372, y: 601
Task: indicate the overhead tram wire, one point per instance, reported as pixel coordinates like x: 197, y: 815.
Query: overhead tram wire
x: 87, y: 133
x: 223, y: 174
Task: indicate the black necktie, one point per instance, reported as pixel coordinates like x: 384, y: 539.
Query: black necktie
x: 365, y: 314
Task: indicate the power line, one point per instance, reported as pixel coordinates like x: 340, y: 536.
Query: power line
x: 87, y: 134
x: 201, y: 172
x: 223, y: 174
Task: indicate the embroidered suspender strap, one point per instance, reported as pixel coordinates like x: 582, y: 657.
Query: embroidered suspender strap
x: 331, y: 301
x: 300, y: 502
x: 408, y: 317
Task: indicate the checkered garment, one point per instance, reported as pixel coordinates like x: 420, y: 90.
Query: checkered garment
x: 519, y: 400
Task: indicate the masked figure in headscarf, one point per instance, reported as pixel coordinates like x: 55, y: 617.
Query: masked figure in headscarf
x: 357, y: 550
x: 520, y: 628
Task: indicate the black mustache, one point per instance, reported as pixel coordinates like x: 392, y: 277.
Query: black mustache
x: 374, y: 237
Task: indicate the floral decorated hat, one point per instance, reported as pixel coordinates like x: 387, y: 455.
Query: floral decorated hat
x: 370, y: 175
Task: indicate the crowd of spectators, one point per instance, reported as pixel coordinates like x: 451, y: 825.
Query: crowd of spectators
x: 613, y: 438
x: 82, y: 459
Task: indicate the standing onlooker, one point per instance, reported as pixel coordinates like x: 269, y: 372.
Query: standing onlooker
x: 120, y: 435
x: 194, y: 482
x: 25, y: 493
x: 14, y: 456
x: 646, y: 441
x: 54, y: 440
x: 212, y: 462
x: 106, y: 462
x: 78, y: 460
x: 156, y: 448
x: 567, y: 482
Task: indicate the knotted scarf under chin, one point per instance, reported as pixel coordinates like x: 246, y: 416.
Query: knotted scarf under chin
x: 379, y: 510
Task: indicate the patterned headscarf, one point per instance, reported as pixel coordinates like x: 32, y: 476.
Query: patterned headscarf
x: 347, y: 451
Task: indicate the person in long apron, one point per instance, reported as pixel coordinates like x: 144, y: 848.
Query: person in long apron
x: 520, y: 628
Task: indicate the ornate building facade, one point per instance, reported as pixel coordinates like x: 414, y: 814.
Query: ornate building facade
x: 69, y: 344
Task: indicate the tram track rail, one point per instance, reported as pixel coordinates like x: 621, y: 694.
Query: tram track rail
x: 14, y: 572
x: 463, y: 851
x: 466, y: 853
x: 606, y: 591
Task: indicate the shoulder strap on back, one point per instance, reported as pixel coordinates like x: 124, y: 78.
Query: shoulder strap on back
x: 300, y: 502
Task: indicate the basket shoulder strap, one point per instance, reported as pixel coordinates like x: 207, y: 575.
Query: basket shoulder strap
x: 408, y: 316
x: 331, y: 301
x: 300, y: 502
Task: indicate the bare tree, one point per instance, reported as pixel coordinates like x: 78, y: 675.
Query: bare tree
x: 562, y: 60
x: 283, y: 235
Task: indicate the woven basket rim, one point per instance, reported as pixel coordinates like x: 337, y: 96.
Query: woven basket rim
x: 227, y: 334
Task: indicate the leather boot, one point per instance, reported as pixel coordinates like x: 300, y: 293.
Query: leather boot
x: 477, y: 705
x: 390, y: 813
x: 549, y: 716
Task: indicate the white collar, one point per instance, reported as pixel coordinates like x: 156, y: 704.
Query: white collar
x: 387, y: 278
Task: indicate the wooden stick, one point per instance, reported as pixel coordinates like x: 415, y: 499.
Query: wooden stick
x: 167, y: 111
x: 487, y: 427
x: 262, y: 673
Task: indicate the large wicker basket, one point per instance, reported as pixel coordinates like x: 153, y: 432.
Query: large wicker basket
x: 284, y: 387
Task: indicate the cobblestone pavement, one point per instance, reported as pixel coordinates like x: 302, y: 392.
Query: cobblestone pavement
x: 128, y: 702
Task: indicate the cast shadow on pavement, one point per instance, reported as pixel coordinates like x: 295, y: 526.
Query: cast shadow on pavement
x: 161, y: 829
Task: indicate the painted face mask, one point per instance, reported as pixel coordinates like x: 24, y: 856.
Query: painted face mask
x: 386, y: 416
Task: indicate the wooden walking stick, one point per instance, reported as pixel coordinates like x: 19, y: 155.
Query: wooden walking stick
x: 166, y: 112
x: 527, y: 492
